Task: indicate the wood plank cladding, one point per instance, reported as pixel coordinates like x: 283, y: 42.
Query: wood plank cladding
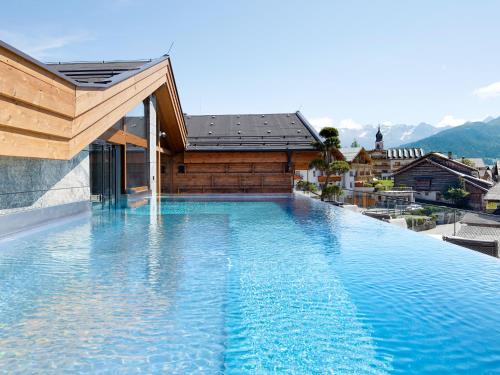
x: 233, y: 172
x: 44, y: 115
x: 235, y: 157
x: 28, y: 83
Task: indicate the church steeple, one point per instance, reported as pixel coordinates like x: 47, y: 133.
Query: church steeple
x: 379, y: 140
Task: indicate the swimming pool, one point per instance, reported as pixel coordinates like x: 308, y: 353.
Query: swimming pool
x: 244, y: 286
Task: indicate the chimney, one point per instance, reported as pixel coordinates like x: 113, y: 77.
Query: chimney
x: 450, y: 155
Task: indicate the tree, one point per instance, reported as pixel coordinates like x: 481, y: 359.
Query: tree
x: 354, y: 144
x: 457, y: 193
x: 327, y: 163
x: 306, y: 186
x: 333, y: 191
x: 468, y: 162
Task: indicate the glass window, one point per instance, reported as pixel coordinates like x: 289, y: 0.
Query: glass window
x: 135, y: 121
x: 137, y: 166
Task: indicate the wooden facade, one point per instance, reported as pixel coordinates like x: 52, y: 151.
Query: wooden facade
x: 44, y: 114
x: 433, y: 174
x: 232, y: 172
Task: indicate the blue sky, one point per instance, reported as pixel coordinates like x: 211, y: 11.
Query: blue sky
x: 340, y: 63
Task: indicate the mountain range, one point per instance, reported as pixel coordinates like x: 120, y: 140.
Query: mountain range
x: 394, y: 135
x: 472, y: 139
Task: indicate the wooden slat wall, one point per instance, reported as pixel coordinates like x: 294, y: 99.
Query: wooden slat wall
x: 441, y: 179
x: 233, y: 172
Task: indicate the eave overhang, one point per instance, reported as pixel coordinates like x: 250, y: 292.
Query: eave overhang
x: 44, y: 114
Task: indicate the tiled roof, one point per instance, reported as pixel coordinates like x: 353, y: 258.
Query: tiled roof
x: 476, y: 232
x: 277, y: 131
x: 494, y: 193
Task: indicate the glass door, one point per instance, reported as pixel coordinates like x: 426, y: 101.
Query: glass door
x: 104, y: 184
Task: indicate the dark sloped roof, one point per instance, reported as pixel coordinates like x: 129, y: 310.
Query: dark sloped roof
x: 277, y: 131
x: 96, y: 72
x: 91, y: 74
x: 101, y: 72
x: 494, y: 193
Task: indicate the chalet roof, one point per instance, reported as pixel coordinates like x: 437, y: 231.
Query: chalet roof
x: 247, y: 132
x: 494, y: 193
x: 478, y: 162
x: 92, y: 73
x: 441, y: 159
x: 350, y: 153
x: 72, y: 103
x: 101, y: 73
x: 477, y: 232
x: 461, y: 170
x: 405, y: 153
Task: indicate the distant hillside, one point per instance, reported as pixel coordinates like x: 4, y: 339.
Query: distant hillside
x: 394, y: 135
x: 473, y: 139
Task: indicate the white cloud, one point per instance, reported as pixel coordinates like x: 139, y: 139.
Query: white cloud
x: 349, y: 123
x: 489, y: 91
x: 450, y: 120
x: 387, y: 123
x: 321, y: 122
x: 42, y: 46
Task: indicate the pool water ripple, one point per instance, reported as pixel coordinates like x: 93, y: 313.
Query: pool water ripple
x: 244, y: 286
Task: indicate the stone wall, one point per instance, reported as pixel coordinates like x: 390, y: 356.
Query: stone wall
x: 27, y: 184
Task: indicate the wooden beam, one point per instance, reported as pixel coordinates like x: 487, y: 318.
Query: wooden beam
x: 176, y: 134
x: 120, y: 137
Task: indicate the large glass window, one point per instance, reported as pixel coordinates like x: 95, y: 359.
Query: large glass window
x: 137, y: 166
x: 135, y: 121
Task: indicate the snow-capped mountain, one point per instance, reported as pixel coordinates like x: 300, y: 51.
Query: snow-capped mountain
x: 394, y: 134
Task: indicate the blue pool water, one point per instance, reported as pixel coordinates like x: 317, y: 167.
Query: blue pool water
x: 254, y: 286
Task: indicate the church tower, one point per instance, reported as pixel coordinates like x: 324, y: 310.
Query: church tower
x: 379, y: 140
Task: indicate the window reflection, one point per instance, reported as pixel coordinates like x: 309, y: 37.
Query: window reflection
x: 137, y: 166
x: 135, y: 121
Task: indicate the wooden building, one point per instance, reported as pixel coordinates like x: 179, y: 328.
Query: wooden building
x: 432, y: 175
x: 248, y: 153
x: 361, y: 169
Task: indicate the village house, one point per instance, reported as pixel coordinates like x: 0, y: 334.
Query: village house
x: 492, y: 200
x: 387, y: 161
x: 360, y: 170
x: 478, y: 163
x: 433, y: 174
